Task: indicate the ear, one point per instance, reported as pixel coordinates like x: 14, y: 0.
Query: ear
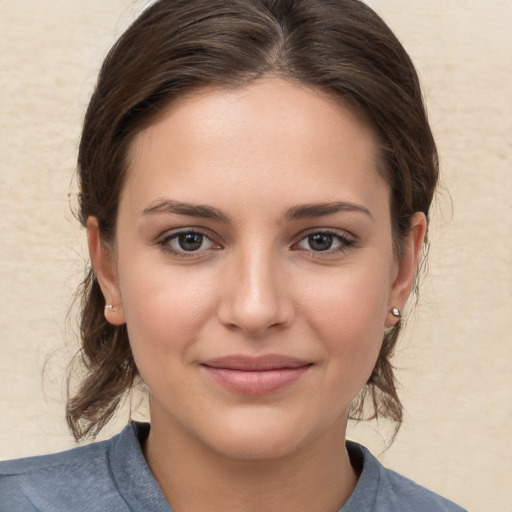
x: 103, y: 261
x: 407, y: 265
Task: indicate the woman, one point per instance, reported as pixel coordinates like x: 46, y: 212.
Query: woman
x: 255, y: 181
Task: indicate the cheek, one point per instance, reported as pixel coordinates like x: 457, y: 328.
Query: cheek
x: 350, y: 300
x: 346, y: 313
x: 164, y: 309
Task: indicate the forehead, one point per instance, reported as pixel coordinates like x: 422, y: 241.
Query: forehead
x: 255, y: 140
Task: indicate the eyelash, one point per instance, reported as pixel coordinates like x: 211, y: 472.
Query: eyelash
x: 345, y: 242
x: 164, y: 242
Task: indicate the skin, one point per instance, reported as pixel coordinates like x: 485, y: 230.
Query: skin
x: 256, y: 285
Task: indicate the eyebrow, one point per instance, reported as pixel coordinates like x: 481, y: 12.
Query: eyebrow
x: 302, y: 211
x: 309, y: 211
x: 189, y: 209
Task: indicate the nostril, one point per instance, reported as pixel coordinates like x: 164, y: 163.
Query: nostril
x: 254, y: 321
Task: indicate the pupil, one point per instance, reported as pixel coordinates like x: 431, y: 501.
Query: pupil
x: 190, y: 241
x: 320, y: 242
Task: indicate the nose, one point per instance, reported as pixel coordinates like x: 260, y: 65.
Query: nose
x: 255, y: 294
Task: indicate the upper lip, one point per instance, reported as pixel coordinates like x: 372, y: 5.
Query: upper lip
x: 255, y: 363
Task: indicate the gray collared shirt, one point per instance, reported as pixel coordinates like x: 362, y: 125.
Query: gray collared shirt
x: 113, y: 476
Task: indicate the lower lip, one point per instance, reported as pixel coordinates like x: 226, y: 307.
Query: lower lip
x: 256, y: 382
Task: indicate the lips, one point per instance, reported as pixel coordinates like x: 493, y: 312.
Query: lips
x: 255, y: 375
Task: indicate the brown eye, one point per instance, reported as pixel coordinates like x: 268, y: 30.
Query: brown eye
x: 325, y: 241
x: 185, y: 243
x: 190, y: 241
x: 320, y: 241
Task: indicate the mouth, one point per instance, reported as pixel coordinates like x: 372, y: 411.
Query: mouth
x: 255, y: 376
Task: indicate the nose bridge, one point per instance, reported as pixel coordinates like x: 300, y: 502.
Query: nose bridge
x: 256, y: 298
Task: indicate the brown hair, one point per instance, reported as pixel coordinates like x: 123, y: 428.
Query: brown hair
x: 338, y: 46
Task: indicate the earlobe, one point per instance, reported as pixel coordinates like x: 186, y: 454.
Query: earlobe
x: 103, y: 262
x: 407, y: 267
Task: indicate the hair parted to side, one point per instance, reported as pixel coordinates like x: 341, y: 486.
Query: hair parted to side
x: 340, y: 47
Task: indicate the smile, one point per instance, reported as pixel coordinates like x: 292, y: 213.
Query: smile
x: 255, y: 375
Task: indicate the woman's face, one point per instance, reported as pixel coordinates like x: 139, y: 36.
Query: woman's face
x: 254, y: 266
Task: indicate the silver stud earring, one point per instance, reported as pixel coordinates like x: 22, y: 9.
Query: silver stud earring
x: 110, y: 307
x: 396, y: 312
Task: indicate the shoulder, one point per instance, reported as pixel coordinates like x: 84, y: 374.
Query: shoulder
x: 54, y: 461
x: 76, y: 479
x: 403, y: 490
x: 390, y: 491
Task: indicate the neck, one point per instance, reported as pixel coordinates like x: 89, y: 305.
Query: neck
x: 194, y: 477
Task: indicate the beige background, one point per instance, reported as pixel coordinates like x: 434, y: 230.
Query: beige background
x: 455, y: 361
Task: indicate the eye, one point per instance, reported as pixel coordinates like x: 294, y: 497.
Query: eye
x: 184, y: 242
x: 325, y: 241
x: 190, y: 241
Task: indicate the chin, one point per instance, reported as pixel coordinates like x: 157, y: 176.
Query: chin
x: 258, y: 438
x: 255, y: 447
